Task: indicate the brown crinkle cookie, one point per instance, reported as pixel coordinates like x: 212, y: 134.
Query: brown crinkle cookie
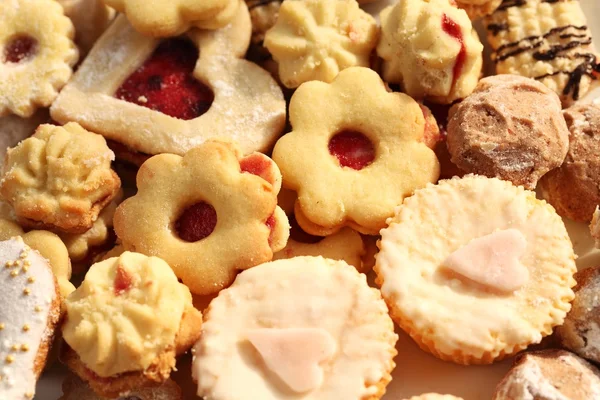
x: 510, y: 128
x: 574, y: 188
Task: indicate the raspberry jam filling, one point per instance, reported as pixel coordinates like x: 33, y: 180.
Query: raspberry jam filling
x: 165, y: 82
x: 352, y: 149
x: 123, y: 281
x: 197, y: 222
x: 20, y: 48
x: 453, y: 29
x: 259, y: 165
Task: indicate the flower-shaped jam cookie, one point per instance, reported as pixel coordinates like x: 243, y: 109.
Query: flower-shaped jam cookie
x: 36, y: 54
x: 163, y: 18
x: 355, y: 152
x: 60, y: 178
x: 208, y: 214
x: 126, y: 323
x: 316, y: 39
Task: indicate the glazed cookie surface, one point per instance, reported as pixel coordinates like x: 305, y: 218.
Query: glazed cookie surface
x: 60, y: 178
x: 510, y: 128
x: 214, y: 202
x: 430, y: 48
x: 573, y: 189
x: 286, y: 330
x: 316, y: 39
x: 549, y: 374
x: 349, y: 166
x: 163, y: 18
x: 37, y: 56
x: 490, y: 245
x: 30, y: 312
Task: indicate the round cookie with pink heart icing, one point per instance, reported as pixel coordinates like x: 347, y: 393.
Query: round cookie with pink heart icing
x: 490, y: 246
x: 285, y: 330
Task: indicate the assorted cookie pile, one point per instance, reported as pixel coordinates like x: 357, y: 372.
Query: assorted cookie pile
x: 218, y: 176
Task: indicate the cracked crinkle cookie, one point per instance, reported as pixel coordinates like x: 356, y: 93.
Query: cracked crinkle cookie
x: 573, y: 189
x: 510, y: 128
x: 348, y: 164
x: 60, y: 178
x: 550, y: 375
x: 164, y: 18
x: 37, y: 54
x: 285, y: 330
x: 490, y: 246
x: 212, y: 202
x: 316, y: 39
x: 430, y: 48
x: 126, y: 323
x: 581, y: 331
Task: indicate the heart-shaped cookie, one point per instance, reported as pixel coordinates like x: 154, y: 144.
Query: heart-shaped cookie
x: 295, y: 355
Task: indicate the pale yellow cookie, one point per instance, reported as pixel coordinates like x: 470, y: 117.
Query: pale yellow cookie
x: 248, y: 105
x: 316, y: 39
x: 478, y: 8
x: 430, y: 48
x: 435, y: 396
x: 126, y: 322
x: 348, y: 164
x: 214, y: 202
x: 490, y: 246
x: 90, y: 18
x: 37, y: 54
x: 285, y: 330
x: 60, y: 178
x: 162, y: 18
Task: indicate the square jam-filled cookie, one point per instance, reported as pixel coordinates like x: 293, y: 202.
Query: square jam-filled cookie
x: 168, y: 96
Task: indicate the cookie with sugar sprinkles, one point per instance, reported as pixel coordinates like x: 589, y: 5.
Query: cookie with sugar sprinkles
x: 28, y: 317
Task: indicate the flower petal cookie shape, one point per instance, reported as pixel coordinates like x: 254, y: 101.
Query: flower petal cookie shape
x: 208, y: 214
x: 294, y: 310
x: 430, y: 48
x: 60, y: 178
x: 113, y: 93
x: 446, y: 310
x: 29, y: 314
x: 37, y: 54
x: 316, y: 39
x: 348, y: 163
x: 127, y: 322
x: 163, y: 18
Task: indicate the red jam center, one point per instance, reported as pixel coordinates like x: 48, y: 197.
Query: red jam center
x: 453, y: 29
x: 165, y: 82
x: 20, y: 48
x: 197, y: 222
x: 258, y: 165
x: 352, y: 149
x: 123, y: 281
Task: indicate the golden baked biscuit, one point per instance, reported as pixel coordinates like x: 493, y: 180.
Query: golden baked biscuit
x: 316, y: 39
x: 126, y: 323
x: 430, y: 48
x: 490, y: 246
x: 348, y: 164
x: 478, y: 8
x: 213, y: 202
x: 37, y: 55
x: 60, y: 178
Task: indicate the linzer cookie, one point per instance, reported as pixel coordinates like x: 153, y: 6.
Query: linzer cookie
x: 574, y: 188
x: 29, y: 314
x: 213, y: 202
x: 430, y: 48
x: 510, y: 128
x: 37, y: 54
x: 126, y: 323
x: 349, y: 166
x: 547, y: 40
x: 490, y: 246
x: 286, y: 330
x: 316, y: 39
x: 60, y: 178
x: 167, y: 96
